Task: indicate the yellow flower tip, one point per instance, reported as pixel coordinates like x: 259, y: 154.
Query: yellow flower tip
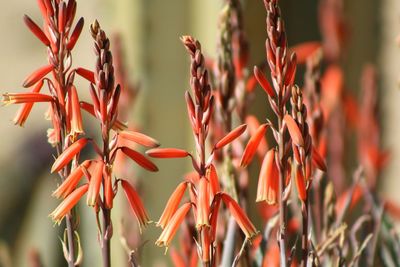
x: 6, y: 100
x: 199, y: 226
x: 161, y: 243
x: 91, y: 202
x: 252, y: 236
x: 144, y: 226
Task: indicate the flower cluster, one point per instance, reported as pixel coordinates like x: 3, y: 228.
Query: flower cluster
x: 204, y: 188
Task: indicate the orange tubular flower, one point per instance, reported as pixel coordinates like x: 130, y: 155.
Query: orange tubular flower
x: 253, y: 124
x: 109, y: 192
x: 203, y: 204
x: 301, y: 184
x: 262, y: 80
x: 68, y: 154
x: 268, y: 181
x: 294, y: 131
x: 240, y: 217
x: 206, y: 244
x: 37, y: 75
x: 139, y: 138
x: 87, y: 74
x: 136, y: 204
x: 95, y: 184
x: 212, y: 176
x: 59, y: 213
x: 235, y: 133
x: 168, y: 233
x: 75, y: 34
x: 139, y: 159
x: 172, y: 205
x: 72, y: 181
x: 20, y: 98
x: 214, y: 217
x: 76, y: 117
x: 167, y: 153
x: 34, y: 28
x: 26, y: 108
x: 252, y: 145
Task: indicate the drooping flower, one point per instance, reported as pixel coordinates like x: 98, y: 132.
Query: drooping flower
x: 170, y: 230
x: 172, y: 205
x: 68, y: 154
x: 136, y: 204
x: 268, y: 181
x: 68, y: 203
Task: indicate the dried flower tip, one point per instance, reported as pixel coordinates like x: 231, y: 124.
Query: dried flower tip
x: 136, y: 204
x: 37, y: 75
x: 167, y: 153
x: 263, y: 82
x: 235, y: 133
x: 252, y: 145
x: 139, y: 138
x: 68, y: 154
x: 67, y: 204
x: 34, y: 28
x: 170, y: 230
x: 95, y: 184
x: 172, y: 205
x: 240, y: 217
x: 140, y: 159
x: 294, y: 130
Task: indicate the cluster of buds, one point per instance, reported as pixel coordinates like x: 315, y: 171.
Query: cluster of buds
x: 282, y: 68
x: 204, y: 189
x: 303, y: 149
x: 105, y: 99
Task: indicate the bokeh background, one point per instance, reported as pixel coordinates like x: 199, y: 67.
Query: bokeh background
x: 150, y: 31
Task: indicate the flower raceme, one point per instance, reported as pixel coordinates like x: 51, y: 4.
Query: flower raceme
x: 204, y: 189
x: 59, y: 36
x: 98, y: 171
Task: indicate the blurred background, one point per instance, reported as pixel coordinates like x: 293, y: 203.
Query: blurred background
x: 156, y: 59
